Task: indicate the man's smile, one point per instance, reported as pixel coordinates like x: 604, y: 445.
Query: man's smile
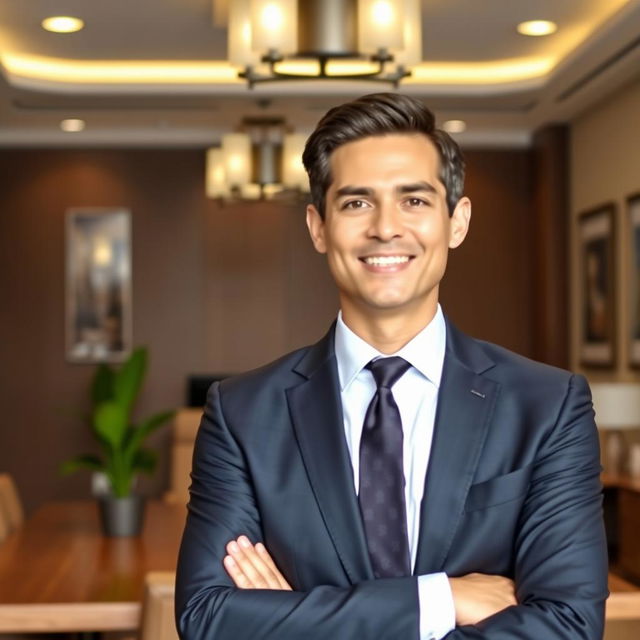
x: 386, y: 263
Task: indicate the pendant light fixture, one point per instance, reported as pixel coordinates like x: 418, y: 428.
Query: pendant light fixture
x: 279, y: 40
x: 260, y: 160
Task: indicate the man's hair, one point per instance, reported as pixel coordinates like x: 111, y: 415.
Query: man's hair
x: 379, y: 114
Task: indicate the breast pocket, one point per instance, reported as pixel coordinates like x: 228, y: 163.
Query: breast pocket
x: 498, y: 490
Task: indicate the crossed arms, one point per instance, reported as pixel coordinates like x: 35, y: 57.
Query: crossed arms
x: 559, y: 562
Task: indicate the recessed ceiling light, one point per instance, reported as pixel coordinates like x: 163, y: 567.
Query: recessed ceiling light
x: 62, y: 24
x: 72, y: 125
x: 454, y: 126
x: 537, y: 28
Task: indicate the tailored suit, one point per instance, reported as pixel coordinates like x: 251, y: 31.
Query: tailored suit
x: 512, y: 488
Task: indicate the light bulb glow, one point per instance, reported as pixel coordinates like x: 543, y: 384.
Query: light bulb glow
x: 271, y: 17
x: 62, y: 24
x: 382, y: 12
x: 537, y: 28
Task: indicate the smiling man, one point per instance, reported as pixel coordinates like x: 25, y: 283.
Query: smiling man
x: 397, y: 480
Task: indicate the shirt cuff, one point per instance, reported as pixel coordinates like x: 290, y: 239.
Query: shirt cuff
x: 437, y: 611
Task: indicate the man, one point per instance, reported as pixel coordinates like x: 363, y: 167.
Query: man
x: 397, y: 480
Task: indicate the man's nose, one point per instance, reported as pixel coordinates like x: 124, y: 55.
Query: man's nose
x: 386, y: 222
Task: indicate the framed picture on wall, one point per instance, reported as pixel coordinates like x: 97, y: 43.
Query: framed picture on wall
x: 98, y: 285
x: 597, y: 286
x: 633, y: 209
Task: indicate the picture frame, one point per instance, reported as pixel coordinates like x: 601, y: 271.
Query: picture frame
x: 98, y: 305
x: 633, y: 219
x: 596, y: 242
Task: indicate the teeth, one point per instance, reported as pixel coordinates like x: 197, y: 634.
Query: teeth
x: 383, y: 261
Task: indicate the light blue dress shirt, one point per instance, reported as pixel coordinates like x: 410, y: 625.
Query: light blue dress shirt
x: 416, y: 394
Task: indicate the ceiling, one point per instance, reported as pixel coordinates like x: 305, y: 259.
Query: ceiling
x: 154, y: 73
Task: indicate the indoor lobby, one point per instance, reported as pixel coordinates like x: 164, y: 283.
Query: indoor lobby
x: 153, y: 241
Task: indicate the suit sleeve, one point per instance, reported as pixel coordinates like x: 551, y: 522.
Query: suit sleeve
x: 208, y: 606
x: 560, y: 550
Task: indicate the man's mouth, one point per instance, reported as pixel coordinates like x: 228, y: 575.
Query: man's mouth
x: 385, y: 261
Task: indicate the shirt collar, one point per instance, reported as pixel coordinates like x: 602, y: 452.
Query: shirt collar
x: 425, y: 351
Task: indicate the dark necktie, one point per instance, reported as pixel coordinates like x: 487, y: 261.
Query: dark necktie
x: 381, y: 494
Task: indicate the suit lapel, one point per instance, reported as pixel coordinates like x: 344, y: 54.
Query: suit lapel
x: 465, y: 406
x: 316, y: 414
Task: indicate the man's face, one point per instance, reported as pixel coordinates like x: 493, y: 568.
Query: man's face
x: 387, y: 230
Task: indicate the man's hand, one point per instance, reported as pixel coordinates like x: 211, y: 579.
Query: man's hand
x: 477, y: 596
x: 251, y: 567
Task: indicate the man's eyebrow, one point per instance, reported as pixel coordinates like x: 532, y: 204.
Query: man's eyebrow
x: 416, y: 186
x: 354, y: 191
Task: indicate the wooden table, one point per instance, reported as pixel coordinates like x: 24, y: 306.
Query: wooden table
x: 59, y: 573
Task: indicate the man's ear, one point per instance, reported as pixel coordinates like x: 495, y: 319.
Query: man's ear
x: 315, y: 224
x: 460, y: 222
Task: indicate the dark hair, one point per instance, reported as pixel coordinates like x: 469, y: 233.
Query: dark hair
x: 379, y: 114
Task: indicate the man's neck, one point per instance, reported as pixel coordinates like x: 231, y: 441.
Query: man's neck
x: 387, y: 330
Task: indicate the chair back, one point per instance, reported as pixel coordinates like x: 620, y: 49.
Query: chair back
x: 185, y: 428
x: 158, y: 618
x: 10, y: 504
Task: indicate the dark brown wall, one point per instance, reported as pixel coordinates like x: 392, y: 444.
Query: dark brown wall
x: 215, y: 289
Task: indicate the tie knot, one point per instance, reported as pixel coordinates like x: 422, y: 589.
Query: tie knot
x: 387, y: 371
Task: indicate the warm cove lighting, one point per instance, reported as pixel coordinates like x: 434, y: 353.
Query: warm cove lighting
x: 537, y: 28
x: 481, y: 73
x: 62, y: 24
x: 72, y: 125
x: 118, y: 71
x: 218, y: 72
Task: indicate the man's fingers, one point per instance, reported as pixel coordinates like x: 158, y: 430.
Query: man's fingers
x: 236, y: 574
x: 252, y: 570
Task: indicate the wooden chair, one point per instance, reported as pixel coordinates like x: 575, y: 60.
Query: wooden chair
x: 10, y: 504
x: 185, y: 428
x: 158, y: 621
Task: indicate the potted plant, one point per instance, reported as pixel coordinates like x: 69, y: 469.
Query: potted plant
x: 113, y: 395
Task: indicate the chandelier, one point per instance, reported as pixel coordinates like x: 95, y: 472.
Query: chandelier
x: 276, y: 40
x: 259, y: 161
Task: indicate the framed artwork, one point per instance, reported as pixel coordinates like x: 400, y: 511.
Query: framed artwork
x: 597, y: 285
x: 98, y: 285
x: 633, y: 209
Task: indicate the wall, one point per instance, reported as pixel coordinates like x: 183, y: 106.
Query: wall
x: 215, y: 288
x: 605, y: 167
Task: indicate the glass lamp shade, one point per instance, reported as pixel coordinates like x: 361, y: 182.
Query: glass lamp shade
x: 274, y: 25
x: 216, y: 179
x: 411, y: 52
x: 239, y: 35
x: 380, y: 25
x: 293, y: 173
x: 236, y: 148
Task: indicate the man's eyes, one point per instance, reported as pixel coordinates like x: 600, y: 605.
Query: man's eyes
x: 411, y: 202
x: 417, y: 202
x: 354, y: 204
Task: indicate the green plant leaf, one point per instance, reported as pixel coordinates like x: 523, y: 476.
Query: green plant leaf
x: 110, y: 423
x: 102, y: 385
x: 129, y: 378
x: 145, y: 460
x: 137, y: 435
x: 82, y: 462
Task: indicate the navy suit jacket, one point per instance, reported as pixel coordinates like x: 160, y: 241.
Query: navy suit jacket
x: 512, y: 488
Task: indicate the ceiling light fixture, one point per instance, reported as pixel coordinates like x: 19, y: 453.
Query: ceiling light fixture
x: 537, y: 28
x: 62, y: 24
x: 454, y: 126
x: 275, y: 40
x: 72, y: 125
x: 261, y: 160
